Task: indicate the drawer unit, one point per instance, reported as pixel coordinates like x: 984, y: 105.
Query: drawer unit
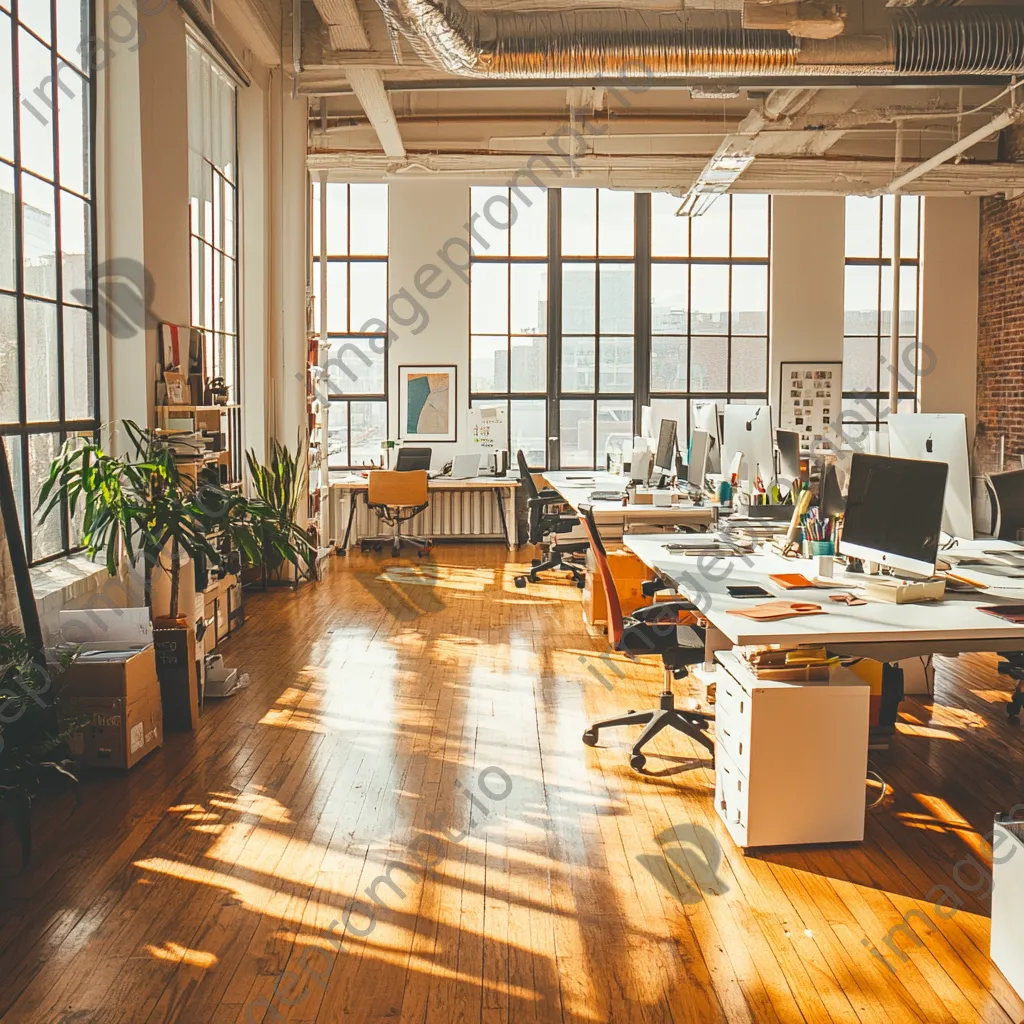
x: 731, y: 797
x: 791, y: 758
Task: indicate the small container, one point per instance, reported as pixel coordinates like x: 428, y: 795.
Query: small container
x: 725, y: 492
x: 820, y: 547
x: 825, y: 566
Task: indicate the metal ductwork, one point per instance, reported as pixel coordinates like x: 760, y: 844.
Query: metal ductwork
x: 627, y: 44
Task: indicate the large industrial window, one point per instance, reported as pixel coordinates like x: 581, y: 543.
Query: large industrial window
x: 709, y: 305
x: 509, y: 297
x: 213, y: 204
x: 48, y: 331
x: 868, y: 311
x: 595, y: 302
x: 354, y: 353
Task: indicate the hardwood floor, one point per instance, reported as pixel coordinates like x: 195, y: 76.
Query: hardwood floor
x: 213, y: 883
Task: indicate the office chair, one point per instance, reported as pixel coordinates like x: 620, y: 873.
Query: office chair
x: 396, y: 496
x: 1006, y: 492
x: 656, y: 629
x: 544, y: 521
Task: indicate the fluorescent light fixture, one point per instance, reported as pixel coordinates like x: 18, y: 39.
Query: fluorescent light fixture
x: 716, y: 179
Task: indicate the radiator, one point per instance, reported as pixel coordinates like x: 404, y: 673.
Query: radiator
x: 451, y: 513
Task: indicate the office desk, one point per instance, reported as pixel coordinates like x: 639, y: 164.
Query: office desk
x: 878, y: 630
x: 612, y: 517
x: 503, y: 488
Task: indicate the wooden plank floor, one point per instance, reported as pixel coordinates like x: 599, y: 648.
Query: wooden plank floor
x: 397, y: 821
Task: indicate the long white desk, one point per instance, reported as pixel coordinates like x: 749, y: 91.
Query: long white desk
x: 612, y: 517
x: 879, y: 630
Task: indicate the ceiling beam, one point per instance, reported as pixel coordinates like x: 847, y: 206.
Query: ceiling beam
x: 346, y: 31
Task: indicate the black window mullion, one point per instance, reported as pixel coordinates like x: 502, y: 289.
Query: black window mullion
x: 642, y: 346
x: 553, y: 402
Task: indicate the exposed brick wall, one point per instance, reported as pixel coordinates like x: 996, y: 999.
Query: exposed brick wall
x: 1001, y: 320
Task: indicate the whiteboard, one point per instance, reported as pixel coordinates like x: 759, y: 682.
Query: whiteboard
x: 488, y: 427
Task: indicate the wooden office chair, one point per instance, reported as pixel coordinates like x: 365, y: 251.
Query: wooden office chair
x: 396, y: 497
x: 1006, y: 492
x: 546, y: 520
x: 667, y: 629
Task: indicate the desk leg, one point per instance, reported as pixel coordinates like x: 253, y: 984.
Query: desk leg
x: 498, y: 496
x: 714, y: 641
x: 348, y: 528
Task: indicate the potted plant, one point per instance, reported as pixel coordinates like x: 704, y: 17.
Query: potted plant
x: 31, y: 741
x: 281, y: 485
x: 142, y: 505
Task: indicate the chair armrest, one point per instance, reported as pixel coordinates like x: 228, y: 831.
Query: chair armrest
x: 651, y: 587
x: 665, y: 611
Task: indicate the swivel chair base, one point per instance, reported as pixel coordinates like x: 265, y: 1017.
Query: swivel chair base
x: 423, y: 547
x: 693, y: 723
x: 558, y: 560
x: 1013, y: 666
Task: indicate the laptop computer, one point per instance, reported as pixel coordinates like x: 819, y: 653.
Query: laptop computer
x: 466, y: 466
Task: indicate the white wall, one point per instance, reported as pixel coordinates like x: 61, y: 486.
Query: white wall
x: 949, y: 307
x: 425, y: 217
x: 807, y: 253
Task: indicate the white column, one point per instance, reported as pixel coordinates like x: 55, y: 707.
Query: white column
x: 949, y: 307
x: 807, y: 279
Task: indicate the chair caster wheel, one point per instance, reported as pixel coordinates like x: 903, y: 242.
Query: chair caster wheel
x: 520, y: 582
x: 534, y: 562
x: 631, y: 711
x: 1013, y: 709
x: 637, y: 762
x: 423, y: 552
x: 590, y: 737
x: 581, y: 583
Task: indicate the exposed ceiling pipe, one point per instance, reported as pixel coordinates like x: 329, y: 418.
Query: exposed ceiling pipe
x: 625, y: 44
x: 997, y: 124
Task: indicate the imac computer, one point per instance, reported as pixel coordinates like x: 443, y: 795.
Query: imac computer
x: 665, y: 457
x: 748, y: 430
x: 894, y: 512
x: 697, y: 459
x: 789, y: 459
x: 705, y: 417
x: 939, y: 437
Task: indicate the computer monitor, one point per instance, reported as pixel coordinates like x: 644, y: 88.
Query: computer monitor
x: 939, y: 437
x: 1007, y: 493
x: 412, y: 458
x: 697, y: 459
x: 789, y: 459
x: 705, y: 417
x: 665, y: 457
x: 894, y: 512
x: 748, y: 430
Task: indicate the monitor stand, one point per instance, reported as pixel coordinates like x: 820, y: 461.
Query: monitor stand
x: 662, y: 482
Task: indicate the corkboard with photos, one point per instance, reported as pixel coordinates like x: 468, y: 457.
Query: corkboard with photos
x: 811, y: 399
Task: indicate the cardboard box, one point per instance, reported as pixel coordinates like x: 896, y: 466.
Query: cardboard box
x: 629, y: 575
x: 178, y: 673
x: 114, y: 688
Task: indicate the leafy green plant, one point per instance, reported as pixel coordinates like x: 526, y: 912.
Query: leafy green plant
x: 281, y: 485
x: 142, y: 504
x: 30, y: 739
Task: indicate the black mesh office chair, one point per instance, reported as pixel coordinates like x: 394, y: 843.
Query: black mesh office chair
x: 546, y: 520
x: 1006, y: 493
x: 666, y: 629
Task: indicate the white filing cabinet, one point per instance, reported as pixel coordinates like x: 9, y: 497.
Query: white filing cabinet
x: 1008, y: 901
x: 790, y: 758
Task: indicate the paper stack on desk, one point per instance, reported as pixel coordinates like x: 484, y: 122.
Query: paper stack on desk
x: 811, y: 664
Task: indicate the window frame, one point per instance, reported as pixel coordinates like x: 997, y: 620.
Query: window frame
x: 347, y: 398
x: 728, y: 395
x: 63, y: 427
x: 866, y: 397
x: 195, y: 237
x: 642, y: 260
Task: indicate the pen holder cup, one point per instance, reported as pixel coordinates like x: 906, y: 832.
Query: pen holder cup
x: 725, y: 492
x: 820, y: 547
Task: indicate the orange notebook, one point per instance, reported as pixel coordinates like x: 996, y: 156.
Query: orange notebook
x: 771, y: 610
x: 791, y: 581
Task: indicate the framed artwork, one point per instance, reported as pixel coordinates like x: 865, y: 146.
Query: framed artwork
x: 427, y: 403
x: 811, y: 400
